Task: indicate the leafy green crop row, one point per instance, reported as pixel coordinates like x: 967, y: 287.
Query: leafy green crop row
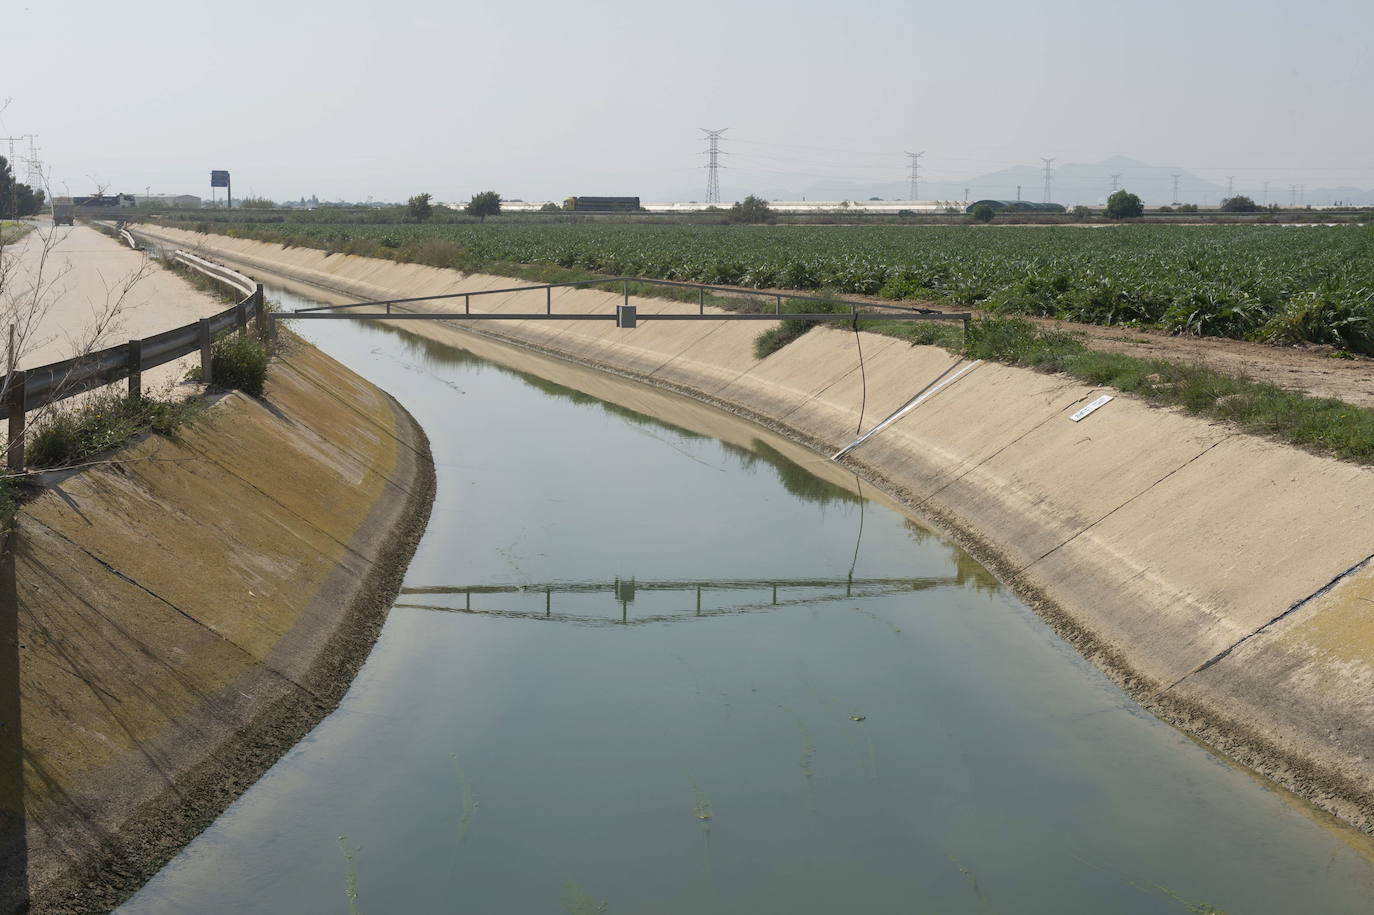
x: 1283, y: 284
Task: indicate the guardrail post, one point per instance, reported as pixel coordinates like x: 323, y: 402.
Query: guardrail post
x: 701, y: 301
x: 206, y: 372
x: 548, y: 300
x: 17, y: 401
x: 259, y: 311
x: 135, y: 369
x: 467, y: 304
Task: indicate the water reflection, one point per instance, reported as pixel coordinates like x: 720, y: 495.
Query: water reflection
x: 795, y: 478
x: 608, y: 602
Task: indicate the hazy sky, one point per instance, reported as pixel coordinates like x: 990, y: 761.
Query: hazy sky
x: 350, y: 99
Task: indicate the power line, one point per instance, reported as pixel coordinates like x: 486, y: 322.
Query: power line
x: 1176, y: 177
x: 1049, y: 176
x: 1116, y: 182
x: 915, y: 173
x: 712, y: 163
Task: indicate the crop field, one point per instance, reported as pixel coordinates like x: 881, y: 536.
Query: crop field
x: 1281, y: 284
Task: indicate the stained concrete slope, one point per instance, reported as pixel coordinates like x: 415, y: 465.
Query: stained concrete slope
x: 1192, y: 562
x: 186, y: 613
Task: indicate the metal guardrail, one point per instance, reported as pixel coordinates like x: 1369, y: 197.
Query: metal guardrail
x: 25, y: 390
x: 217, y: 271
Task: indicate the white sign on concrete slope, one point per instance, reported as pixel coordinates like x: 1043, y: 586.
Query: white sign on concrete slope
x: 1090, y: 408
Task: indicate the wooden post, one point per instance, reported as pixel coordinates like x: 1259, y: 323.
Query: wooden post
x: 17, y: 401
x: 206, y: 372
x: 135, y: 369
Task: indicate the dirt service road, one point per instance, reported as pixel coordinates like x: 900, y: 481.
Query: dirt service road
x: 80, y: 284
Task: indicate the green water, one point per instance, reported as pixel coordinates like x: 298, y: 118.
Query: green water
x: 636, y: 669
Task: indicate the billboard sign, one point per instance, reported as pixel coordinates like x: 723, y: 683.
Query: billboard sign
x: 219, y: 178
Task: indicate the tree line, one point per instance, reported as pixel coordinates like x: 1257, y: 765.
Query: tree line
x: 17, y: 199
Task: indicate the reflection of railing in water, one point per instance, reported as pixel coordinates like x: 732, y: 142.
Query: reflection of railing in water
x: 624, y: 590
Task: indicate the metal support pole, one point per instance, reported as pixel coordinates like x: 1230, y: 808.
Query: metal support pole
x: 548, y: 300
x: 701, y: 301
x: 18, y: 406
x: 241, y: 317
x: 627, y: 293
x: 467, y: 304
x: 777, y: 309
x: 271, y: 326
x: 388, y: 308
x: 135, y: 369
x: 206, y: 372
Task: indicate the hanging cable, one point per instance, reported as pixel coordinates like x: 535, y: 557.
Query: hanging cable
x: 863, y: 403
x: 860, y: 538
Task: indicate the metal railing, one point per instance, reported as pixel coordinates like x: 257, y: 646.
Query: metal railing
x: 26, y: 390
x: 626, y: 314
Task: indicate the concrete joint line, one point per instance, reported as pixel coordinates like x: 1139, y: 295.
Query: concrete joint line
x: 365, y: 418
x: 1118, y: 508
x: 251, y: 485
x: 928, y: 392
x: 957, y: 477
x: 1297, y: 605
x: 782, y: 417
x: 674, y: 358
x: 160, y: 599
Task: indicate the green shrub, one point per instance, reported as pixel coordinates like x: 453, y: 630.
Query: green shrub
x: 982, y: 213
x: 1124, y: 205
x: 102, y: 423
x: 239, y: 362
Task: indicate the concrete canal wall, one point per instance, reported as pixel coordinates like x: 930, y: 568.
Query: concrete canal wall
x: 1224, y: 579
x: 190, y: 610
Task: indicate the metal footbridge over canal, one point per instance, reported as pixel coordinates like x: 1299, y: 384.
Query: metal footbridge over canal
x: 627, y: 315
x: 739, y: 305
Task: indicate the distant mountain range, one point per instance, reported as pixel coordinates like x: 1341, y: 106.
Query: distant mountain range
x: 1073, y: 183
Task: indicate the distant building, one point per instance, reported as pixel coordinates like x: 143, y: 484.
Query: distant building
x: 187, y: 201
x: 104, y: 200
x: 602, y: 204
x: 1017, y: 206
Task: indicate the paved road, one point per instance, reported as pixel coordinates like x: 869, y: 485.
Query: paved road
x: 90, y: 283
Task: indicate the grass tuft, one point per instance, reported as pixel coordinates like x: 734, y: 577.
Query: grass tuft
x: 103, y: 423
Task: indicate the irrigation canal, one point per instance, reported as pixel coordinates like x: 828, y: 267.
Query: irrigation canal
x: 638, y: 669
